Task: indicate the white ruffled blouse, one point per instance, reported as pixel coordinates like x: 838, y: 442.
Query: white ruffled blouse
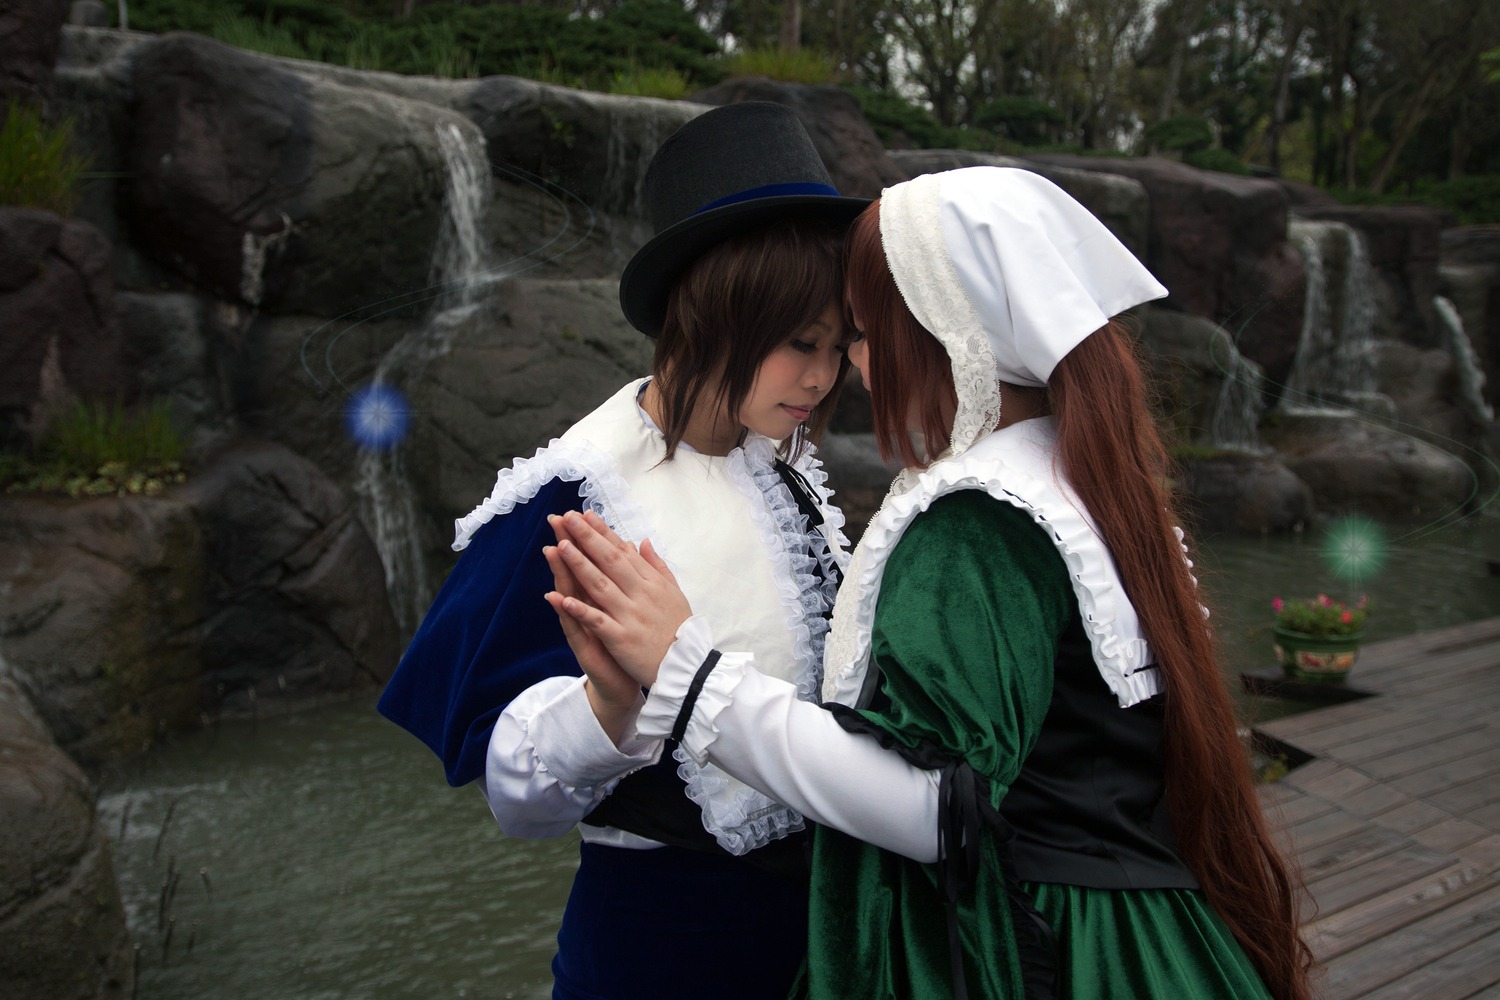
x: 731, y: 531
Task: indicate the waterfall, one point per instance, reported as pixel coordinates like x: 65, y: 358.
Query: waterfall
x: 459, y: 275
x: 1235, y: 424
x: 1335, y: 360
x: 1466, y: 363
x: 459, y: 262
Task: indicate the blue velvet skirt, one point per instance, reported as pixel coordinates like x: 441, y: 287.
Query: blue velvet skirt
x: 675, y: 924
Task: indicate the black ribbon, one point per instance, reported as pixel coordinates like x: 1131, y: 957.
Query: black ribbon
x: 679, y: 727
x: 802, y: 492
x: 958, y: 860
x: 964, y: 815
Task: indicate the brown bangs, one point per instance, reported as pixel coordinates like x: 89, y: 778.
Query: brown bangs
x: 908, y: 366
x: 736, y: 304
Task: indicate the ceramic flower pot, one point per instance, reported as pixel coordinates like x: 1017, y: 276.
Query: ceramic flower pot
x: 1315, y: 658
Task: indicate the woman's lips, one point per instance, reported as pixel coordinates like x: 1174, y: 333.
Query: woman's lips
x: 800, y: 412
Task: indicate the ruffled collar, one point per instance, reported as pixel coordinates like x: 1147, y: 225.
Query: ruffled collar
x: 1013, y: 465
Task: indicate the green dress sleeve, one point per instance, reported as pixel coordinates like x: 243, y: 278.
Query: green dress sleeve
x: 972, y: 603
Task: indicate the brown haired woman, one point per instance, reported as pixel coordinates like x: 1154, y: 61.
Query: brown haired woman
x: 710, y: 458
x: 1029, y: 782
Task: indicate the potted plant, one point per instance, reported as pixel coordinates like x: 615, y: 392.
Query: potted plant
x: 1317, y: 638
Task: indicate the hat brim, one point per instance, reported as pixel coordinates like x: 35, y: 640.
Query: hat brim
x: 655, y: 268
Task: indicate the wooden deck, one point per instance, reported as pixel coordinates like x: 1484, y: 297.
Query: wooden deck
x: 1396, y: 819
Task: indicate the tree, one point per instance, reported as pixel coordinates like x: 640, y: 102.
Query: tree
x: 791, y: 25
x: 936, y: 36
x: 1434, y: 51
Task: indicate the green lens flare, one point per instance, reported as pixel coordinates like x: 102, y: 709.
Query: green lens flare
x: 1354, y: 548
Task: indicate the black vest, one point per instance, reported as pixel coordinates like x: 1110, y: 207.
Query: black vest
x: 1089, y: 805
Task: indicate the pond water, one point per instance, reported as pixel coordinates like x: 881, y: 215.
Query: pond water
x: 320, y: 854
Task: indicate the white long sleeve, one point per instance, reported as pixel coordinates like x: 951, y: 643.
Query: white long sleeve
x: 755, y: 728
x: 550, y: 762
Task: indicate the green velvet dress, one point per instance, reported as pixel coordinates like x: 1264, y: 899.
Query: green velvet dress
x: 974, y: 600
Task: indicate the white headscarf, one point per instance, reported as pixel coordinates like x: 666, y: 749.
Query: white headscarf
x: 1009, y: 273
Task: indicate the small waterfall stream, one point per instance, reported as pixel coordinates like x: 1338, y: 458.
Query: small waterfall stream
x: 1235, y: 423
x: 1465, y: 362
x: 1335, y: 361
x: 460, y: 273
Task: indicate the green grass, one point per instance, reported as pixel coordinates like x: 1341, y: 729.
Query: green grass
x: 264, y: 36
x: 101, y: 450
x: 788, y: 66
x: 666, y: 83
x: 38, y: 164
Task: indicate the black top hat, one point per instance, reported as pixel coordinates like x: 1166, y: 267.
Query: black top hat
x: 723, y: 173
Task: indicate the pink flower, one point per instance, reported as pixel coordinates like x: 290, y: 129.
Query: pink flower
x: 1323, y: 600
x: 1346, y: 617
x: 1277, y: 604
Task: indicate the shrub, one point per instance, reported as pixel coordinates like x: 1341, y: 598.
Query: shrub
x: 1025, y: 120
x: 457, y: 40
x: 898, y: 122
x: 1474, y: 201
x: 1181, y: 134
x: 38, y: 164
x: 437, y: 50
x: 1218, y: 158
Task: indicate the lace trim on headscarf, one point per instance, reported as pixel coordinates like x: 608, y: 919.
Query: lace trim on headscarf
x: 929, y: 284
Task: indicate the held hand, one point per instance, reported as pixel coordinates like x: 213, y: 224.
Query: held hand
x: 613, y: 694
x: 633, y: 604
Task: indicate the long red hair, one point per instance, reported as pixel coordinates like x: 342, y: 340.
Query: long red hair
x: 1111, y: 452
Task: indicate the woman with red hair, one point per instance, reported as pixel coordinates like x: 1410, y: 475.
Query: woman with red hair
x: 1026, y: 769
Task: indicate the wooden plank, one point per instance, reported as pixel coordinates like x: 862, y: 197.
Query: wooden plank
x: 1329, y: 779
x: 1398, y: 905
x: 1389, y: 959
x: 1415, y: 815
x: 1437, y: 675
x: 1373, y: 874
x: 1299, y: 810
x: 1483, y: 854
x: 1462, y: 749
x: 1481, y: 790
x: 1450, y: 835
x: 1375, y: 801
x: 1321, y: 834
x: 1401, y: 733
x: 1488, y: 817
x: 1442, y: 682
x: 1473, y: 967
x: 1290, y: 727
x: 1436, y: 774
x: 1363, y: 845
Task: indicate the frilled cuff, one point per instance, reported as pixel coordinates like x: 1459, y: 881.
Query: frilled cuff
x: 693, y: 685
x: 575, y: 748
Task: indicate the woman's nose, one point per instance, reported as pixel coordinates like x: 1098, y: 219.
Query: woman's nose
x: 823, y: 369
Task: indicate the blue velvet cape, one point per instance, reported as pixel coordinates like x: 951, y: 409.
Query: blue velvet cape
x: 488, y: 636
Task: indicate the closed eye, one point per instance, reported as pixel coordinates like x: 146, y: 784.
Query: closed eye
x: 854, y: 338
x: 803, y: 346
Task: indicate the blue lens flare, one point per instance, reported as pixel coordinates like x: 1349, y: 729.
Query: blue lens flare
x: 378, y: 417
